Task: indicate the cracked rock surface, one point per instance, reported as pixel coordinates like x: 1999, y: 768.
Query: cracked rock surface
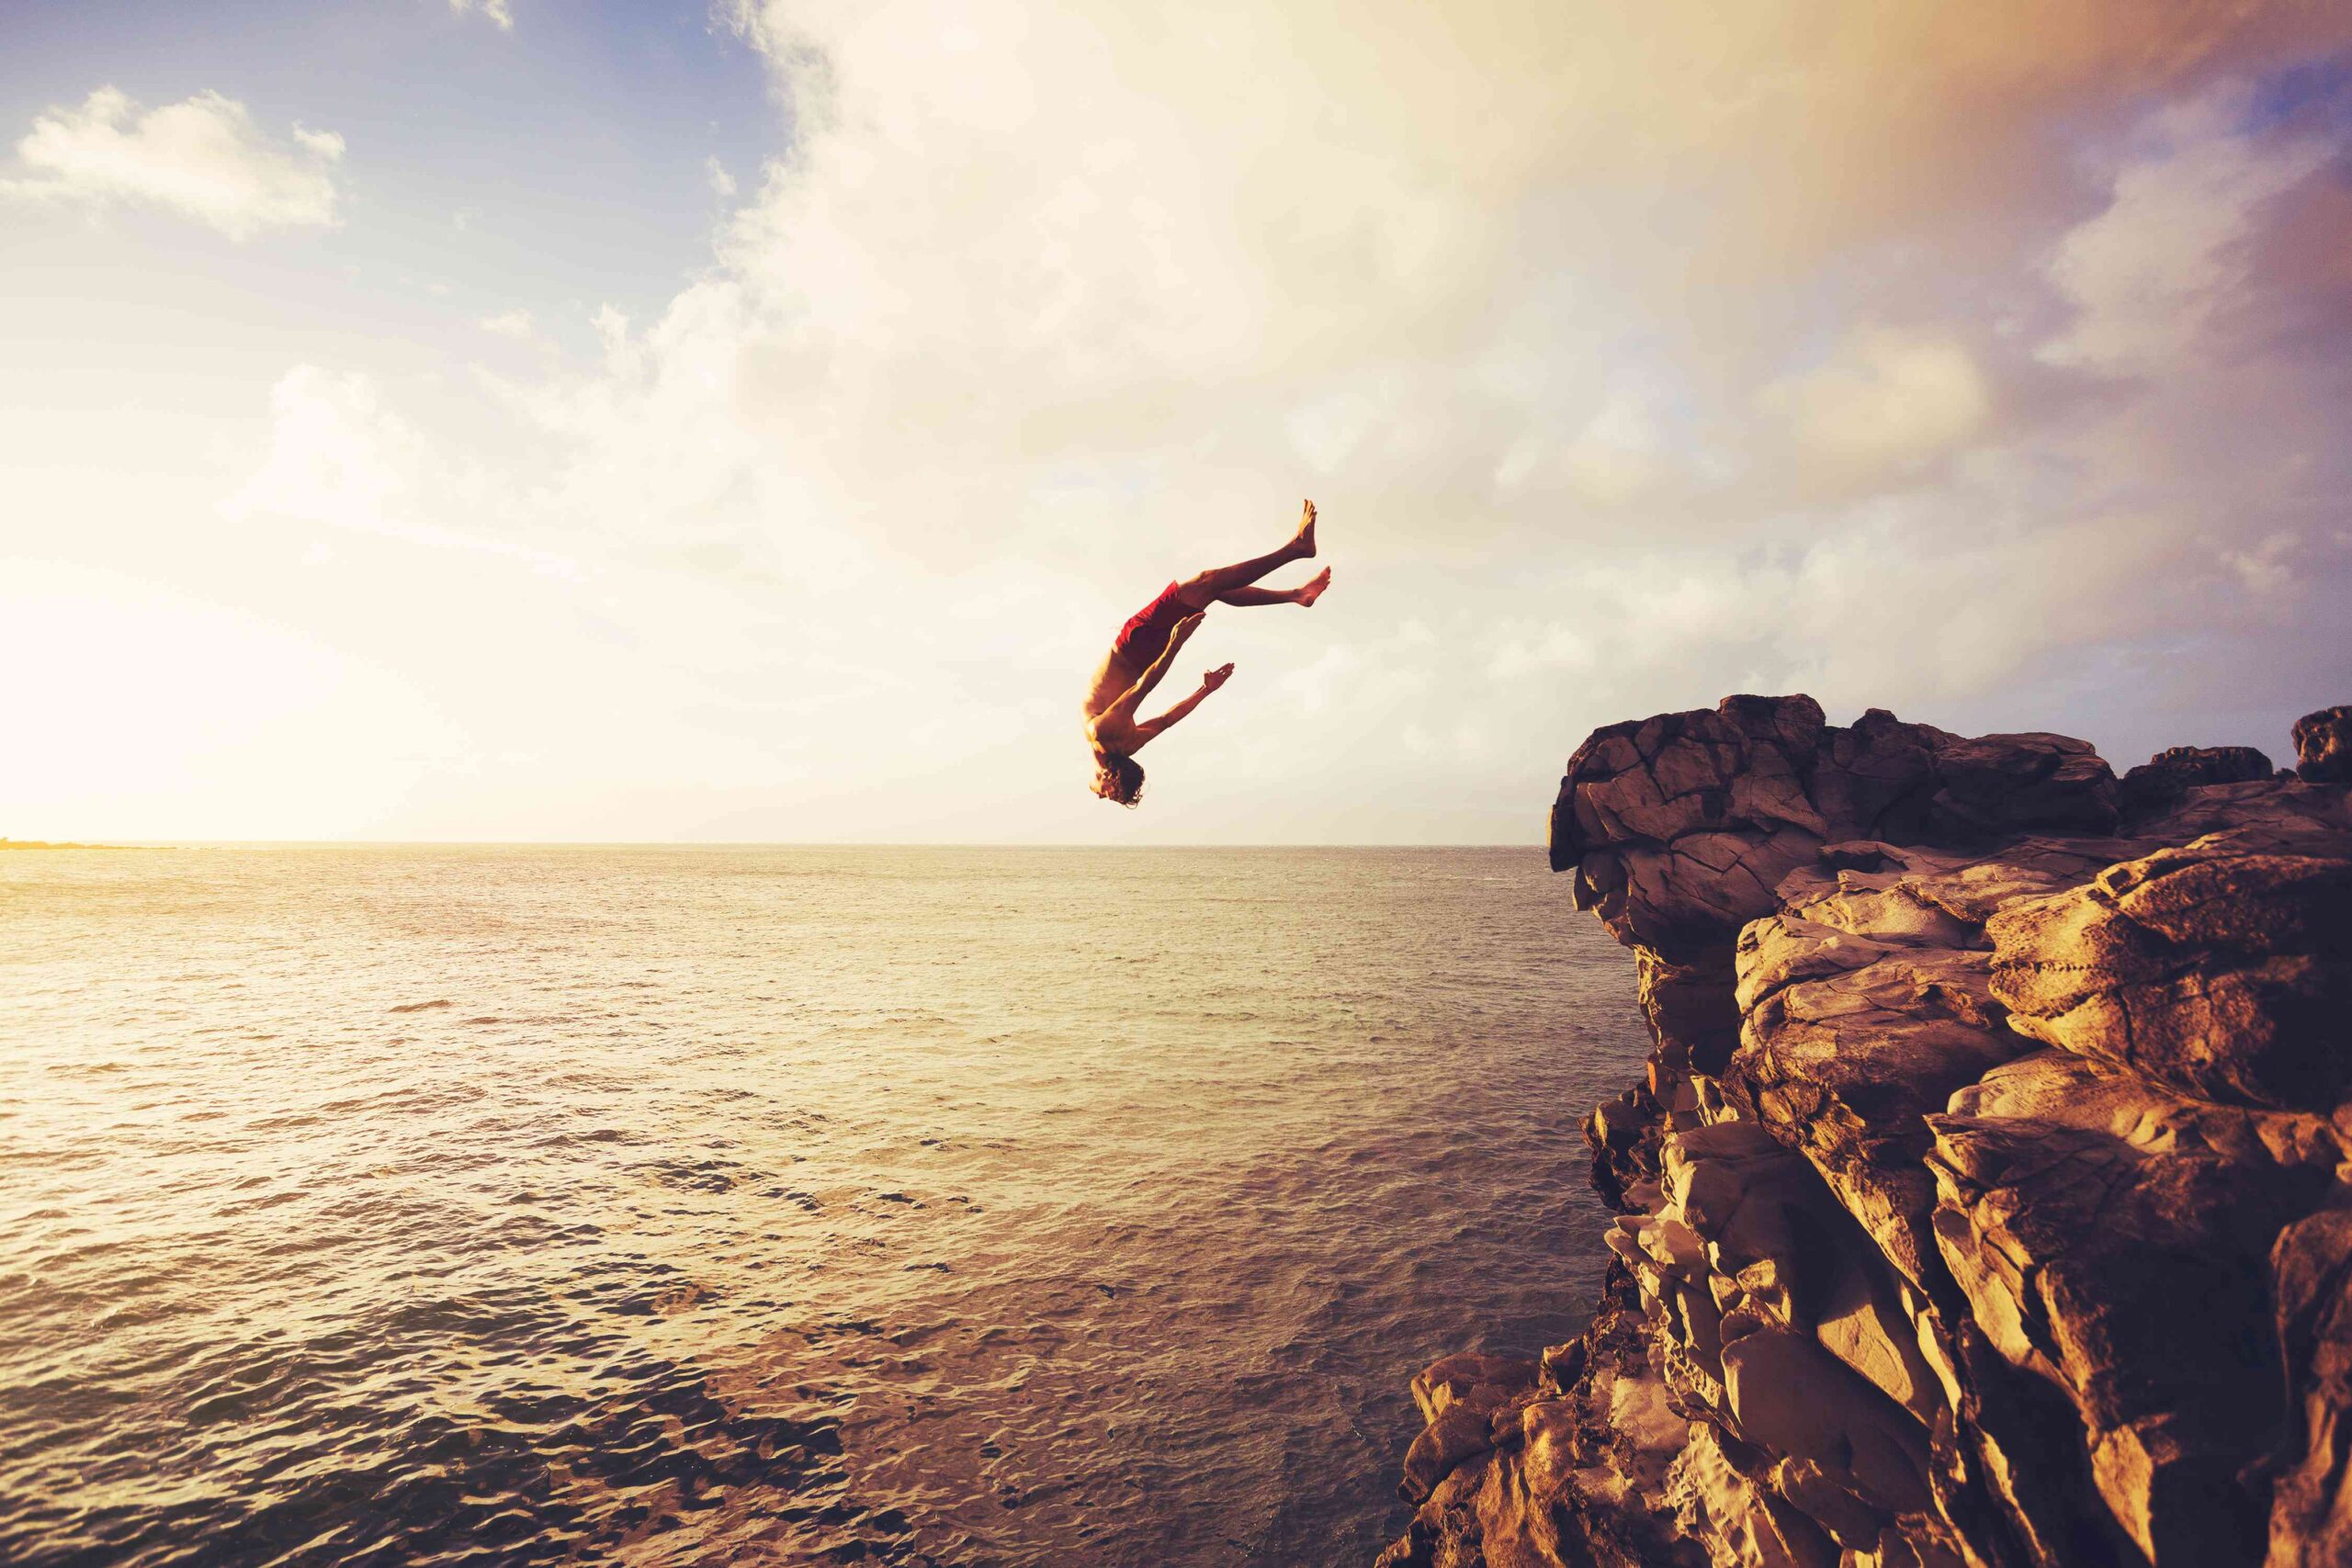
x: 1987, y: 1201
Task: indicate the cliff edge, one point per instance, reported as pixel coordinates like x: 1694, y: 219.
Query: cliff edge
x: 1988, y: 1198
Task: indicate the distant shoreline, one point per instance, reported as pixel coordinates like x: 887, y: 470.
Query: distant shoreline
x: 41, y: 844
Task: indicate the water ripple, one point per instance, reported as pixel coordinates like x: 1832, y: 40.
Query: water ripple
x: 896, y: 1207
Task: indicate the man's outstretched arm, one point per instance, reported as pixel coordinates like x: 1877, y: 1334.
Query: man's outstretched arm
x: 1209, y: 683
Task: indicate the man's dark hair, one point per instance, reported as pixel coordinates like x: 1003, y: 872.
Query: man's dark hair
x: 1120, y: 779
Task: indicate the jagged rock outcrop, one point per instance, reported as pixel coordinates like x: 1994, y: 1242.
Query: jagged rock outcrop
x: 2164, y: 779
x: 2324, y: 746
x: 1987, y: 1200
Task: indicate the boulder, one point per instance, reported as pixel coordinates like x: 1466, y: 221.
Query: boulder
x: 1444, y: 1443
x: 1483, y: 1381
x: 2165, y: 778
x: 1459, y: 1396
x: 2225, y: 974
x: 2324, y: 746
x: 1875, y: 780
x: 1998, y: 785
x: 1679, y: 825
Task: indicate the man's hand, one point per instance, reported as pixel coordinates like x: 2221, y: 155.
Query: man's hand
x: 1216, y: 677
x: 1187, y: 627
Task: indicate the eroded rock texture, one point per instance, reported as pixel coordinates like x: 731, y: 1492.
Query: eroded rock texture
x: 1987, y: 1201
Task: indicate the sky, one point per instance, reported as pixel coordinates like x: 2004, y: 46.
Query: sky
x: 546, y: 420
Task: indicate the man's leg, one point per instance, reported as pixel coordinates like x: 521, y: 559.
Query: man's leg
x: 1199, y: 593
x: 1304, y: 593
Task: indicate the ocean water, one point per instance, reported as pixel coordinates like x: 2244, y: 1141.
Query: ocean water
x: 408, y: 1205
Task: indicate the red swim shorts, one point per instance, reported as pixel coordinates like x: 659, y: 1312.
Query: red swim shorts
x: 1145, y: 637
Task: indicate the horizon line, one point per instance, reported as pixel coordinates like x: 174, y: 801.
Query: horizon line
x: 723, y: 845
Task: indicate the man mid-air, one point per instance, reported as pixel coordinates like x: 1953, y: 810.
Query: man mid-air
x: 1146, y: 646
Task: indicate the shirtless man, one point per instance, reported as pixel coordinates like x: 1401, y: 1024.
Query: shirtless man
x: 1146, y: 646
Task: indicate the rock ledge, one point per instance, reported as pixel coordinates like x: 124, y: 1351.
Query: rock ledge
x: 1987, y: 1203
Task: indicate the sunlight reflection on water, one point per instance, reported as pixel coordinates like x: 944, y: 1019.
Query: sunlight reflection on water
x: 909, y: 1206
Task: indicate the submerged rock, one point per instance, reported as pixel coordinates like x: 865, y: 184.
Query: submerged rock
x: 1988, y: 1196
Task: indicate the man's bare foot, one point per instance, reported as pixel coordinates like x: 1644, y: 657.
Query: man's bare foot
x: 1312, y: 589
x: 1303, y: 548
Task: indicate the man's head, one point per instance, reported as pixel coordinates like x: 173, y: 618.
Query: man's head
x: 1119, y: 777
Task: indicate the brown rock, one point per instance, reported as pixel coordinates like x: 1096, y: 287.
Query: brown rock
x: 1445, y: 1442
x: 2324, y: 746
x: 1844, y: 1517
x: 2032, y: 1492
x: 1691, y: 1012
x: 2134, y: 1281
x: 2225, y: 974
x: 1845, y: 1068
x: 2165, y: 778
x: 1679, y: 825
x: 1997, y: 784
x: 2283, y: 816
x: 1953, y: 1181
x: 1580, y: 1480
x: 1479, y: 1380
x: 1862, y: 1322
x: 2062, y: 1089
x: 2311, y: 1515
x: 1791, y: 1397
x: 1874, y: 780
x: 1716, y: 1501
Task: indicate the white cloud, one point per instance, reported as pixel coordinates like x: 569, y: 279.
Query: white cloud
x: 722, y: 183
x: 1618, y: 454
x: 1898, y: 608
x: 499, y: 11
x: 1044, y: 305
x: 1523, y: 649
x: 983, y: 327
x: 338, y: 458
x: 202, y: 158
x: 1327, y: 431
x: 2146, y: 275
x: 2264, y: 568
x: 515, y: 323
x: 1886, y: 400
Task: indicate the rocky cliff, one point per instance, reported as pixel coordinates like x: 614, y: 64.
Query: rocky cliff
x: 1986, y: 1199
